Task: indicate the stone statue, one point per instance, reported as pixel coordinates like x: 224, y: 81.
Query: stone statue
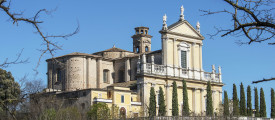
x: 198, y: 26
x: 181, y: 13
x: 181, y: 10
x: 164, y: 19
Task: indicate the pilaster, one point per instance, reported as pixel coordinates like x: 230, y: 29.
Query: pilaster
x: 164, y: 49
x: 152, y: 64
x: 202, y: 101
x: 98, y: 71
x: 194, y: 100
x: 127, y: 69
x: 193, y: 59
x: 168, y: 100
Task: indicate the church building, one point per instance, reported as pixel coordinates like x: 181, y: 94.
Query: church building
x: 124, y: 77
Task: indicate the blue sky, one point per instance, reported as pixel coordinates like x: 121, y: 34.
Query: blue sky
x: 105, y: 23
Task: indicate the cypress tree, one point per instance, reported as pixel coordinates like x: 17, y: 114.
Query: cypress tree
x: 185, y: 107
x: 242, y: 101
x: 162, y: 107
x: 175, y: 108
x: 152, y: 103
x: 272, y: 113
x: 262, y: 104
x: 235, y: 101
x: 225, y: 105
x: 257, y: 114
x: 209, y: 106
x: 249, y: 104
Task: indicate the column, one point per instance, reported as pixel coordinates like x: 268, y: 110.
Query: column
x: 138, y: 65
x: 127, y: 70
x: 202, y: 101
x: 164, y: 49
x: 168, y: 100
x: 213, y: 99
x: 194, y: 100
x: 201, y: 67
x: 98, y: 71
x: 174, y: 57
x: 152, y: 64
x: 193, y: 59
x: 143, y: 63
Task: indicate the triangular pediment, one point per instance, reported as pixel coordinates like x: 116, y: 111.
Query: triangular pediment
x: 185, y: 29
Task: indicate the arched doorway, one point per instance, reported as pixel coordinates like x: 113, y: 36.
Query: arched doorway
x: 122, y: 113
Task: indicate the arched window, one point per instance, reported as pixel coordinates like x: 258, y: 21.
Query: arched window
x: 137, y: 49
x: 142, y: 32
x: 105, y: 76
x: 146, y: 49
x: 122, y: 112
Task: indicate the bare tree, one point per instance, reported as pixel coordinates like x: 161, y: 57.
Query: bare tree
x: 49, y: 41
x: 253, y: 19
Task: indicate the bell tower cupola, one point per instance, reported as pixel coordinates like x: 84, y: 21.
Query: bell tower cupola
x: 141, y: 40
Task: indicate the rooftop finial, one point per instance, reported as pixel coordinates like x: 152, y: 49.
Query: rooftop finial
x: 198, y: 26
x: 114, y: 46
x: 181, y: 13
x: 164, y: 18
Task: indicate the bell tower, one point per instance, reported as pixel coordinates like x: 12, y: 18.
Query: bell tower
x: 141, y: 40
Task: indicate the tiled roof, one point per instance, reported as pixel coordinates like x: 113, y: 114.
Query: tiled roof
x: 76, y: 54
x: 113, y: 49
x: 124, y: 84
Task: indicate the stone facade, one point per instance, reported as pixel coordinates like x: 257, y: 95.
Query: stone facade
x: 124, y: 78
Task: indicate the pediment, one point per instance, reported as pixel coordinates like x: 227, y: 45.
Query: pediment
x: 183, y: 28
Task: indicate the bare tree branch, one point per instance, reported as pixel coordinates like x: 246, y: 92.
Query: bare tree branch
x: 253, y: 19
x: 18, y: 60
x: 50, y: 45
x: 263, y: 80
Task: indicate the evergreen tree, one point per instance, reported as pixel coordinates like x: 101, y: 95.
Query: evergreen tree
x: 9, y: 92
x: 162, y: 107
x: 185, y: 107
x: 262, y: 104
x: 209, y: 103
x: 242, y: 101
x: 175, y: 108
x: 249, y: 104
x: 152, y: 103
x: 272, y: 113
x: 257, y: 114
x: 235, y: 101
x: 225, y: 105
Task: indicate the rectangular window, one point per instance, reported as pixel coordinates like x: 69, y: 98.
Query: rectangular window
x: 59, y: 75
x: 183, y: 59
x: 122, y: 98
x: 105, y: 76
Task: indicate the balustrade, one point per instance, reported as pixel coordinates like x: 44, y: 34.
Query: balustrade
x: 156, y: 69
